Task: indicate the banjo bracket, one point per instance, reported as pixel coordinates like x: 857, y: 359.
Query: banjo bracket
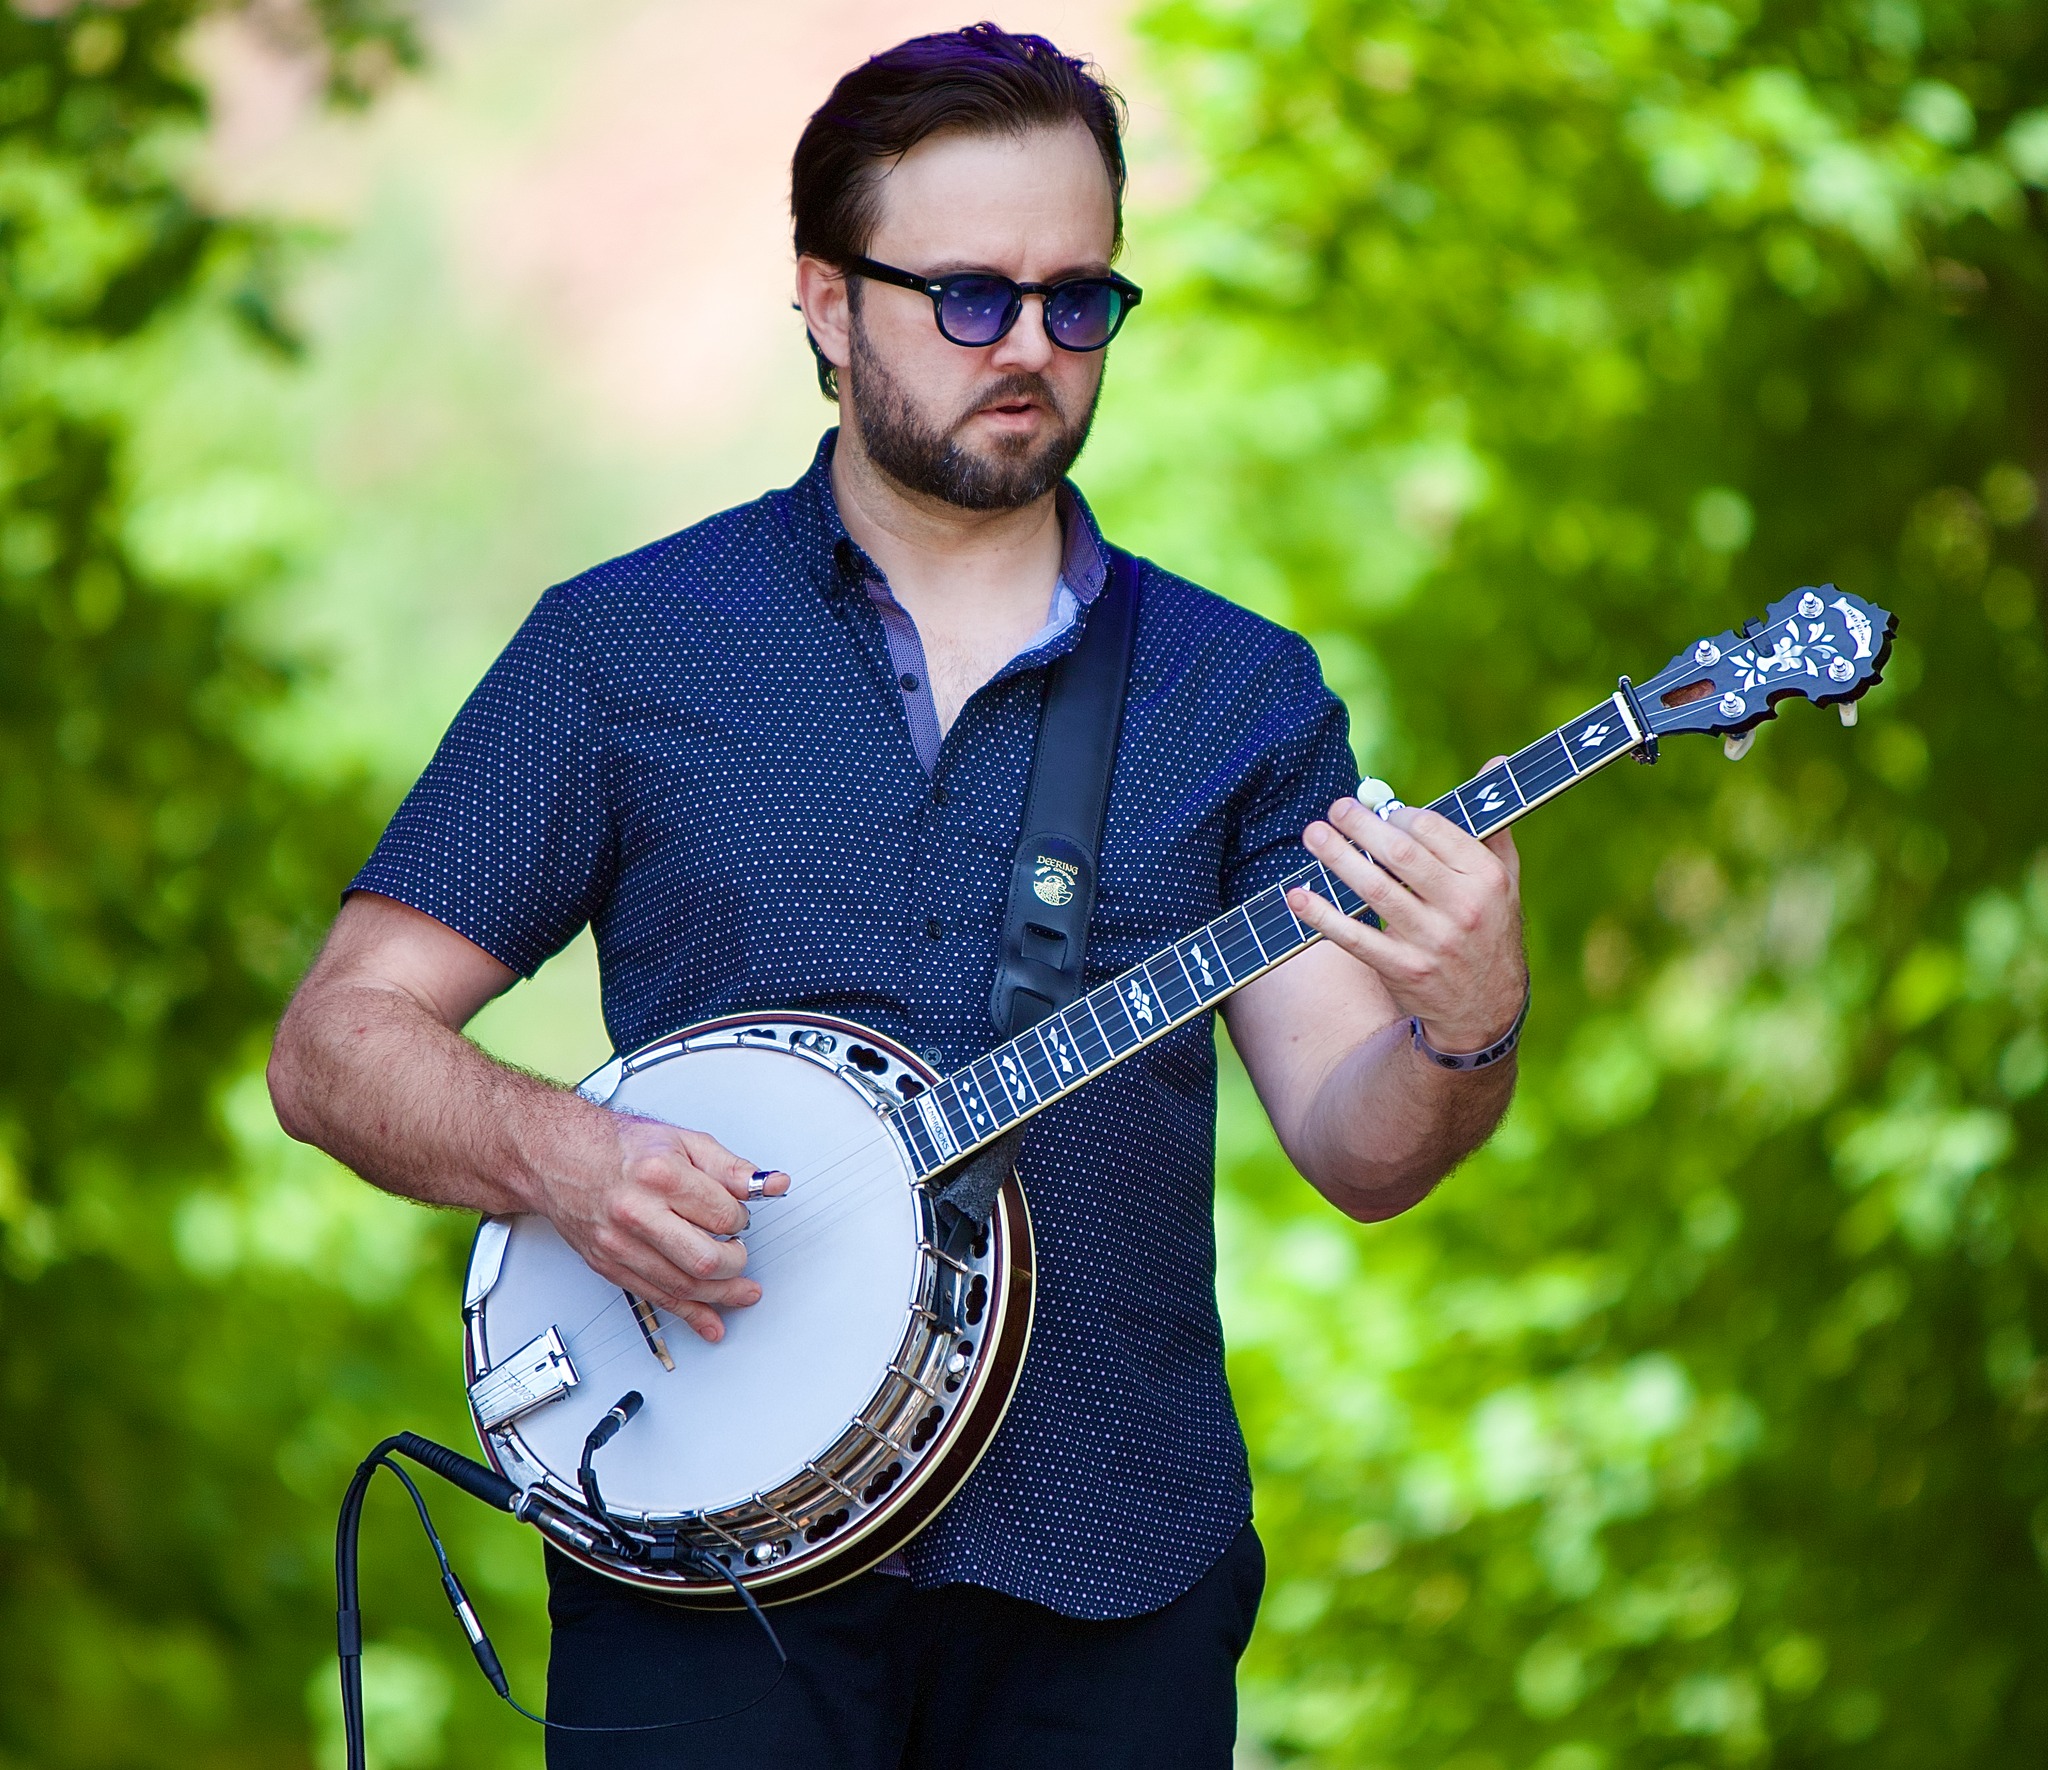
x: 859, y: 1068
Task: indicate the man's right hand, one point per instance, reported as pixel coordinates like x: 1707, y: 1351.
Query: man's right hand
x: 657, y: 1210
x: 371, y: 1065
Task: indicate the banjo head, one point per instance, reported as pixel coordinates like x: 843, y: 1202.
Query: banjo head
x: 840, y: 1411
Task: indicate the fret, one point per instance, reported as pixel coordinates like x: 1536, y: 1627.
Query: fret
x: 924, y: 1151
x: 1543, y: 767
x: 1598, y: 735
x: 1140, y: 1003
x: 982, y: 1073
x: 1451, y: 807
x: 1553, y: 767
x: 1016, y: 1085
x: 1112, y: 1017
x: 1064, y: 1057
x: 981, y: 1119
x: 1038, y: 1063
x: 1273, y: 923
x: 1088, y: 1035
x: 1245, y: 910
x: 1207, y: 975
x: 1237, y: 944
x: 1169, y: 981
x: 1490, y: 799
x: 946, y: 1103
x: 1325, y: 884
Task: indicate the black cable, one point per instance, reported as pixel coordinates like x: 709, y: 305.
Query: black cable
x: 491, y: 1487
x: 619, y: 1414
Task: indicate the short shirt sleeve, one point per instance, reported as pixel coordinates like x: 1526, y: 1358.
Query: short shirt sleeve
x: 506, y: 838
x: 1303, y: 763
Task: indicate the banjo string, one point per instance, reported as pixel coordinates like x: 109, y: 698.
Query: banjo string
x: 802, y: 1231
x: 853, y: 1189
x: 814, y: 1220
x: 812, y: 1197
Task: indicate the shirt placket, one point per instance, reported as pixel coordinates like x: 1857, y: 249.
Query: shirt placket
x: 1082, y: 571
x: 913, y: 679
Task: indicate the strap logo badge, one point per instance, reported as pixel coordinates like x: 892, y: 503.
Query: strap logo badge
x: 1052, y: 881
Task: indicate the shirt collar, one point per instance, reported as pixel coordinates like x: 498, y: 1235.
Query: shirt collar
x: 841, y: 566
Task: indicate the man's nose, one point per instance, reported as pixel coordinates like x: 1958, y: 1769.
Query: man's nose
x: 1026, y: 344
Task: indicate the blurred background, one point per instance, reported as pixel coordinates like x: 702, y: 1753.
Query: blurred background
x: 1500, y: 346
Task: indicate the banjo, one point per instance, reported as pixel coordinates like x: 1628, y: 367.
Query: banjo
x: 846, y: 1407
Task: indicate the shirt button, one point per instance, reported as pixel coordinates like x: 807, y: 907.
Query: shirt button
x: 907, y: 682
x: 934, y: 929
x: 940, y: 796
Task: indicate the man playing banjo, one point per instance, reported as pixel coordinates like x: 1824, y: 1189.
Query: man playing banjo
x: 780, y: 761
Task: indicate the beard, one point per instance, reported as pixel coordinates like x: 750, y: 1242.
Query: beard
x: 930, y: 458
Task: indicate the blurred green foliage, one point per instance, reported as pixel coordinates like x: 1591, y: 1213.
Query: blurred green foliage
x: 163, y: 1567
x: 1703, y: 1418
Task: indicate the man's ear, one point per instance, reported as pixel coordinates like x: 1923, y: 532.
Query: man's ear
x: 828, y: 376
x: 825, y: 300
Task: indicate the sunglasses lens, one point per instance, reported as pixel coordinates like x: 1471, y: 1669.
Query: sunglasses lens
x: 977, y: 310
x: 1084, y: 315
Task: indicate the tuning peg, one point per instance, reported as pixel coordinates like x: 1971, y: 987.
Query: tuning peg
x: 1848, y: 712
x: 1377, y: 796
x: 1735, y: 748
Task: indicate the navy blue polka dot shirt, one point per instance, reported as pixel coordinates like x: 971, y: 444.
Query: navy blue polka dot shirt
x: 706, y: 751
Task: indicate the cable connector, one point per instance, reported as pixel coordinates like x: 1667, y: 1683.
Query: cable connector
x: 461, y: 1471
x: 601, y: 1434
x: 618, y: 1415
x: 479, y: 1642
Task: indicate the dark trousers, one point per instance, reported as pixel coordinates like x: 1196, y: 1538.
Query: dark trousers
x: 885, y: 1677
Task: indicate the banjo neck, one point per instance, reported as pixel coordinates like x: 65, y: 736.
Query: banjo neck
x: 1815, y: 644
x: 982, y: 1100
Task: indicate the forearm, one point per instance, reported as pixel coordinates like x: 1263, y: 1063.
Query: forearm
x: 368, y: 1074
x: 371, y: 1065
x: 1386, y: 1124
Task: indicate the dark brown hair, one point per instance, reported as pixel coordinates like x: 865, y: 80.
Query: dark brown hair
x: 983, y: 80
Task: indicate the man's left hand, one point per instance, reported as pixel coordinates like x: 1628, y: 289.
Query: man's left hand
x: 1450, y: 950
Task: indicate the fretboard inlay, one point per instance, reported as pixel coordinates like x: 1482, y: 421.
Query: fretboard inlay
x: 977, y: 1103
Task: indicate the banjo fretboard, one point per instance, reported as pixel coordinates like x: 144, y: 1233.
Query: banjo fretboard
x: 977, y: 1103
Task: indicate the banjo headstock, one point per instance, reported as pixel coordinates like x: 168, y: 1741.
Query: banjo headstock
x: 1820, y: 644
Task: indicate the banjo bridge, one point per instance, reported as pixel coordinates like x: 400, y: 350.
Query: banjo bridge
x: 534, y: 1375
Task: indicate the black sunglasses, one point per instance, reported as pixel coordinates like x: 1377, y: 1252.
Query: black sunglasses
x: 977, y: 307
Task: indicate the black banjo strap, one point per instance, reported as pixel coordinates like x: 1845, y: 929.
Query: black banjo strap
x: 1052, y: 878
